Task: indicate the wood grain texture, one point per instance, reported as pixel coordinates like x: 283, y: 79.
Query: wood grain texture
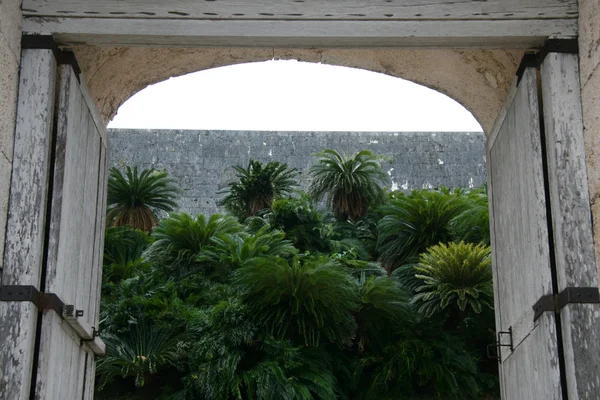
x: 532, y: 371
x: 571, y: 220
x: 521, y: 254
x: 26, y: 221
x: 308, y: 9
x: 491, y: 34
x: 75, y: 249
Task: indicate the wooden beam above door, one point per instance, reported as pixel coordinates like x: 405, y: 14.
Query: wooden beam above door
x: 507, y: 24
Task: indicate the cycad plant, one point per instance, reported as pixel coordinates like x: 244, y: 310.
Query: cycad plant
x: 306, y: 301
x: 457, y: 276
x: 473, y: 224
x: 257, y: 186
x: 350, y: 184
x: 384, y: 309
x: 413, y: 223
x: 133, y: 199
x: 138, y: 353
x: 236, y: 250
x: 180, y: 239
x: 434, y: 365
x: 300, y: 221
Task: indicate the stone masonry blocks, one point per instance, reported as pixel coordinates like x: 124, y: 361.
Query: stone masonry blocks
x: 201, y: 161
x: 589, y: 37
x: 9, y: 68
x: 10, y: 25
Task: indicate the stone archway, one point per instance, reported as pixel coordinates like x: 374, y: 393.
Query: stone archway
x: 478, y: 79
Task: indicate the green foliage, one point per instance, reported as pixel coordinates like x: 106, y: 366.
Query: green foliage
x: 305, y: 301
x: 300, y: 221
x: 457, y: 275
x: 295, y: 303
x: 473, y: 224
x: 236, y: 250
x: 425, y: 366
x: 384, y: 308
x: 133, y: 199
x: 180, y: 239
x: 138, y: 353
x: 257, y: 186
x: 123, y: 249
x: 415, y: 222
x: 350, y: 184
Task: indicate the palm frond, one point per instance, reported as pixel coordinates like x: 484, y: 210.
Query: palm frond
x: 180, y: 239
x: 133, y: 199
x: 413, y: 223
x: 457, y: 275
x: 304, y: 301
x: 138, y: 353
x: 256, y: 187
x: 349, y: 184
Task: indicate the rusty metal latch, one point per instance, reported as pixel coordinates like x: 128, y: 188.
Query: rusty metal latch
x: 499, y: 344
x: 50, y: 301
x: 571, y: 295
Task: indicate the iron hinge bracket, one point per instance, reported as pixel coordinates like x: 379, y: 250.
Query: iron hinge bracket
x: 28, y: 293
x: 535, y: 59
x: 47, y: 42
x: 50, y: 301
x: 572, y: 295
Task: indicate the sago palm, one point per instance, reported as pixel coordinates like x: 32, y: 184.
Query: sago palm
x: 257, y: 186
x: 138, y: 353
x: 457, y: 276
x: 133, y: 199
x: 305, y: 301
x: 385, y: 307
x: 473, y: 224
x: 180, y: 238
x: 413, y: 223
x: 350, y: 184
x: 236, y: 250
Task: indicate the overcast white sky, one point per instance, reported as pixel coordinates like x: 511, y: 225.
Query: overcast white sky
x: 292, y: 96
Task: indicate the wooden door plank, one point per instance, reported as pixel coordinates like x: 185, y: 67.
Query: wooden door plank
x: 521, y: 252
x: 519, y: 207
x: 69, y: 120
x: 534, y: 374
x: 88, y: 232
x: 60, y: 351
x: 96, y: 281
x: 571, y: 220
x: 27, y: 218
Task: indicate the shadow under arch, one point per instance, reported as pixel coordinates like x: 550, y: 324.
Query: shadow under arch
x: 477, y: 79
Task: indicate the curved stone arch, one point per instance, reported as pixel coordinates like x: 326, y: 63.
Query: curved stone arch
x: 478, y: 79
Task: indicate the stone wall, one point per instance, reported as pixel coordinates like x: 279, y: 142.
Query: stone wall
x: 10, y: 56
x: 201, y: 161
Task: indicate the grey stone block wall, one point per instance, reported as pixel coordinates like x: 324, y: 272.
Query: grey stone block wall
x: 201, y: 161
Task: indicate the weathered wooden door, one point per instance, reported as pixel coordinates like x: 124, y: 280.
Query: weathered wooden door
x: 52, y: 270
x: 543, y: 255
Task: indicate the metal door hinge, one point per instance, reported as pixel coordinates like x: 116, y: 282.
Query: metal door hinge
x: 28, y: 293
x: 535, y: 59
x: 50, y: 301
x: 571, y: 295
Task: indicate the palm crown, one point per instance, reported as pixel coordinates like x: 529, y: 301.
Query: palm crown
x: 350, y: 184
x: 257, y: 186
x: 457, y: 275
x: 133, y: 199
